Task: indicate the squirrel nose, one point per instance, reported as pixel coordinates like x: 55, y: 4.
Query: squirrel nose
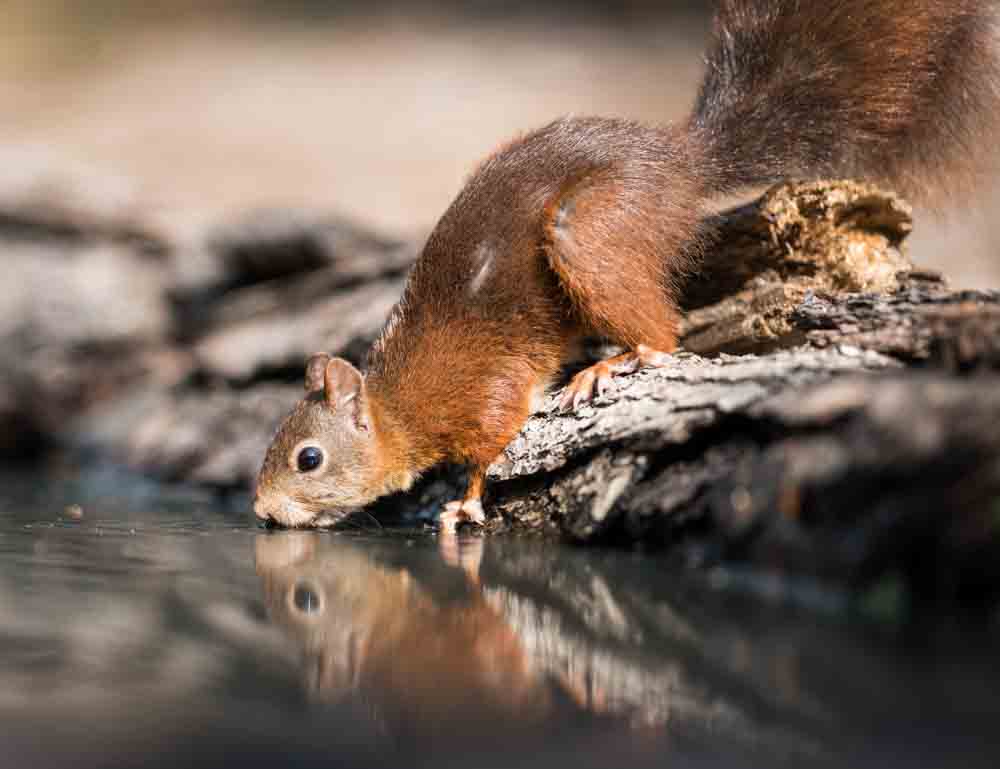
x: 259, y: 510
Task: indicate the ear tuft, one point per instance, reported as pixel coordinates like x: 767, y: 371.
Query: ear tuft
x: 345, y: 388
x: 316, y: 372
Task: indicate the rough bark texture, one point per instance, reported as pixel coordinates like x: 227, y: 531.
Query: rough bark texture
x: 770, y: 254
x: 820, y: 419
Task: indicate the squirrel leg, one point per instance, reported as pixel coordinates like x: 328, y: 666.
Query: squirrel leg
x: 502, y: 408
x: 595, y: 379
x: 614, y: 269
x: 468, y: 509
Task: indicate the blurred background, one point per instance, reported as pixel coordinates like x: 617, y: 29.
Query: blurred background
x: 201, y: 109
x: 150, y: 314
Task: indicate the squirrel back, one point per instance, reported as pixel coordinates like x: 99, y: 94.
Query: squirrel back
x: 903, y: 92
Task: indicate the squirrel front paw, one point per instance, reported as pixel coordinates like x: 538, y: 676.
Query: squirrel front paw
x: 461, y: 510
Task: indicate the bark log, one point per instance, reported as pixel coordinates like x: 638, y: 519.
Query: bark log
x: 819, y: 418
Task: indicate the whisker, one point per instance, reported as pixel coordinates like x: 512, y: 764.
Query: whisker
x: 374, y: 520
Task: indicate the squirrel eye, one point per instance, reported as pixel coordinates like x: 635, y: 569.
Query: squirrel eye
x: 305, y: 599
x: 309, y: 459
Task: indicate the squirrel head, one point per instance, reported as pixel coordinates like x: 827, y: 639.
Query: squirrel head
x: 324, y: 461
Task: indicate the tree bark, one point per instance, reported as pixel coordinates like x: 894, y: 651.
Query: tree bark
x: 834, y: 410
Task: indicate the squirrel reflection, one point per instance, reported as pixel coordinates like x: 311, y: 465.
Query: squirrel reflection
x: 434, y: 657
x: 431, y: 656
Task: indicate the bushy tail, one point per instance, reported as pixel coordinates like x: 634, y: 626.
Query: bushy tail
x: 899, y: 91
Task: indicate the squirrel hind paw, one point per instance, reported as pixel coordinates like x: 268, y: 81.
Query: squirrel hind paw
x: 595, y: 380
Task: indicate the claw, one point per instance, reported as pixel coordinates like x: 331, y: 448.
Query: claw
x: 458, y: 511
x: 596, y: 380
x: 473, y: 509
x: 603, y: 383
x: 448, y: 519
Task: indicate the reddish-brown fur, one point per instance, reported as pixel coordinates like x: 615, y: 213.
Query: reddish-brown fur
x: 588, y: 226
x: 374, y: 631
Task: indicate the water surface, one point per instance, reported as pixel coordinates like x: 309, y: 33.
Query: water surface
x: 160, y: 627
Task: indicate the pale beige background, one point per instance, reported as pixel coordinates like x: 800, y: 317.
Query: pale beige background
x: 380, y: 117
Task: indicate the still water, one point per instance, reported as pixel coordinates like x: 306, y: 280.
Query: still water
x: 160, y: 627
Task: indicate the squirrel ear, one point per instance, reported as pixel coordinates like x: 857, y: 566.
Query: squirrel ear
x: 345, y: 388
x: 316, y: 372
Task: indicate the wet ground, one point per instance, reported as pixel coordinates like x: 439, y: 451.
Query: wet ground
x: 160, y: 627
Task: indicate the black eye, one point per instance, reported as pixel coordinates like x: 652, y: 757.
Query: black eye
x: 305, y: 599
x: 309, y: 459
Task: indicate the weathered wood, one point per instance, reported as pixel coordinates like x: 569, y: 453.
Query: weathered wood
x: 797, y: 239
x: 211, y: 436
x: 98, y: 305
x: 670, y: 404
x: 855, y: 479
x: 345, y: 321
x: 921, y: 323
x: 817, y: 448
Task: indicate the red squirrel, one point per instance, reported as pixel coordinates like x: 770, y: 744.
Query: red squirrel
x: 587, y: 227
